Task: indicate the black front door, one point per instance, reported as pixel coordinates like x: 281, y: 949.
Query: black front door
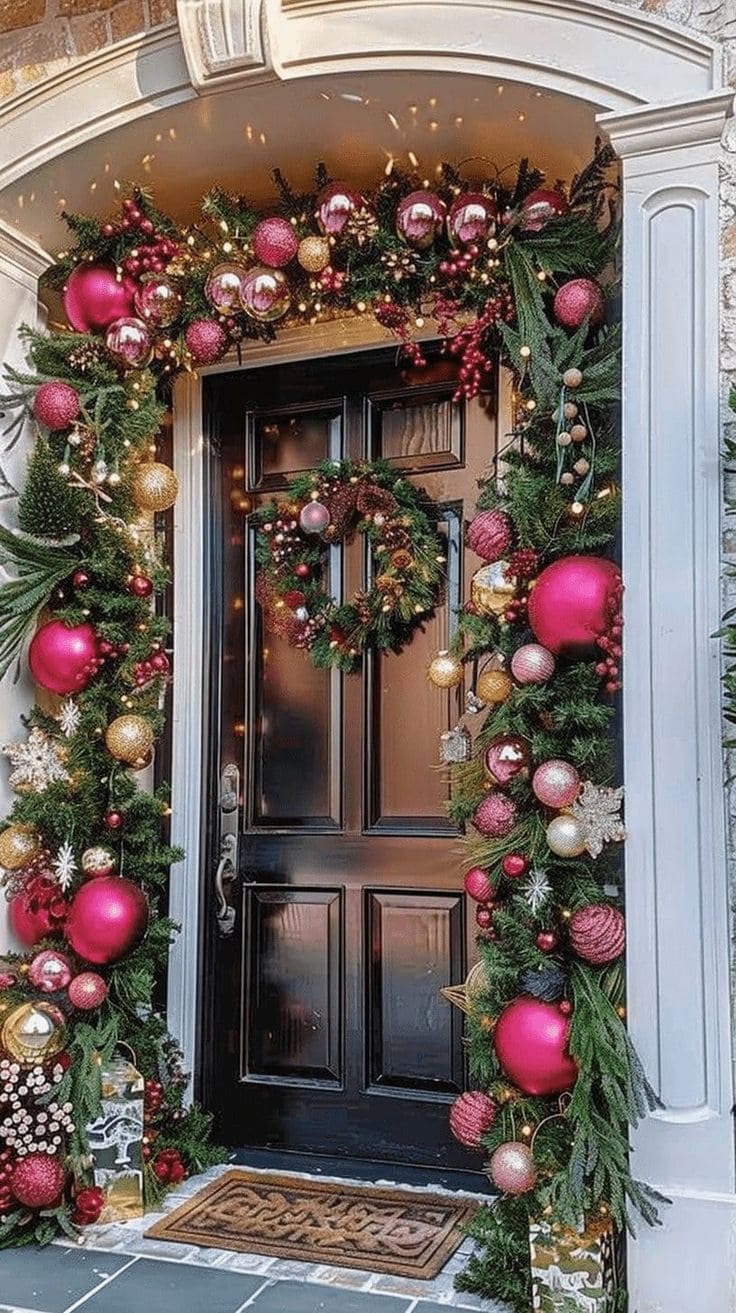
x: 327, y: 1032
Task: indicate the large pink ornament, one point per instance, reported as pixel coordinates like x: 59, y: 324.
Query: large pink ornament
x: 419, y: 219
x: 314, y: 517
x: 472, y: 218
x: 478, y: 885
x: 597, y: 933
x: 49, y: 971
x: 264, y: 294
x: 496, y: 816
x: 64, y: 659
x: 275, y: 242
x: 107, y: 918
x: 38, y: 1180
x: 573, y: 603
x: 87, y: 991
x: 56, y: 405
x: 129, y: 343
x: 37, y: 910
x: 556, y: 783
x: 94, y: 297
x: 540, y: 206
x: 158, y: 301
x: 578, y: 300
x: 530, y: 1039
x: 207, y: 341
x: 489, y: 535
x: 512, y: 1168
x: 335, y: 204
x: 222, y: 288
x: 471, y: 1117
x: 532, y: 664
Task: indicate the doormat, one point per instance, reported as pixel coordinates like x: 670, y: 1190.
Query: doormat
x: 401, y: 1232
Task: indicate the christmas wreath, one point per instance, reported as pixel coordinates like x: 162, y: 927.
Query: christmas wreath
x: 327, y: 506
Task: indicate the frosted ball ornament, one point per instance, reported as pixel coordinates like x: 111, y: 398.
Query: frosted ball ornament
x: 56, y: 405
x: 578, y: 300
x: 334, y: 206
x: 512, y: 1168
x: 264, y: 294
x: 445, y: 670
x: 129, y: 343
x: 566, y: 836
x: 157, y: 301
x: 49, y: 971
x: 472, y: 218
x: 532, y: 664
x: 314, y: 517
x: 419, y: 219
x: 556, y: 783
x: 222, y: 288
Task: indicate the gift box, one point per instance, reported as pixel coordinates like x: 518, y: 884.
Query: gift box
x: 116, y: 1141
x: 574, y: 1271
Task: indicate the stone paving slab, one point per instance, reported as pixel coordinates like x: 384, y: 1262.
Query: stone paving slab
x: 294, y: 1297
x: 169, y: 1288
x: 53, y: 1278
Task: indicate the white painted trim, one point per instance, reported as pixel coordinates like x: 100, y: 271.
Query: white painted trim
x: 685, y: 123
x: 223, y: 42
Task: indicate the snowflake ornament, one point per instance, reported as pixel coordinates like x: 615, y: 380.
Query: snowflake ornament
x: 599, y: 811
x: 36, y: 763
x: 537, y: 890
x: 69, y: 717
x: 64, y: 865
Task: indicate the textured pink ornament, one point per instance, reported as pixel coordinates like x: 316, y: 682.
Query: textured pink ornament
x: 530, y: 1039
x: 578, y: 300
x: 597, y: 933
x: 275, y: 242
x: 471, y: 1117
x: 556, y: 783
x: 512, y: 1168
x: 472, y: 218
x: 573, y: 602
x: 264, y: 294
x: 87, y: 991
x: 496, y: 816
x: 107, y: 918
x: 419, y: 219
x: 50, y: 970
x: 129, y: 343
x: 489, y: 535
x: 63, y: 659
x: 532, y: 664
x: 314, y: 517
x: 94, y: 298
x: 335, y: 204
x: 207, y: 341
x: 478, y: 885
x: 158, y: 301
x: 539, y: 207
x: 38, y: 1180
x: 56, y: 405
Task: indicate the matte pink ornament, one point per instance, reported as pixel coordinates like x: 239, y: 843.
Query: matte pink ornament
x: 471, y: 1117
x: 532, y: 664
x: 556, y: 783
x: 540, y: 206
x: 275, y: 242
x: 472, y: 218
x: 496, y: 816
x: 87, y: 991
x: 56, y: 405
x: 419, y: 219
x: 107, y: 918
x: 597, y: 933
x: 314, y: 517
x: 478, y: 885
x: 335, y: 204
x: 64, y: 659
x: 489, y: 535
x: 94, y: 298
x: 578, y: 300
x: 573, y: 603
x: 49, y: 971
x: 512, y: 1168
x: 207, y: 341
x: 530, y: 1039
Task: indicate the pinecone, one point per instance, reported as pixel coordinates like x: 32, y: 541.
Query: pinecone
x: 341, y: 506
x: 373, y: 500
x: 402, y: 560
x: 85, y: 357
x: 362, y: 225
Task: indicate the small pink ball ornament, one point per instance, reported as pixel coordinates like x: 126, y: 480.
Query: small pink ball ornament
x: 264, y: 294
x: 87, y: 991
x: 49, y: 971
x: 496, y: 816
x: 578, y: 300
x: 275, y: 242
x: 419, y: 219
x: 556, y: 783
x: 64, y: 659
x: 314, y: 517
x: 206, y: 340
x: 530, y: 1039
x: 94, y: 297
x: 223, y: 286
x: 512, y: 1168
x: 532, y: 664
x: 472, y: 218
x: 540, y: 207
x: 573, y: 602
x: 56, y: 405
x: 334, y: 206
x: 597, y: 933
x: 129, y: 343
x: 471, y: 1117
x: 478, y: 885
x: 106, y: 919
x: 158, y: 301
x: 489, y: 535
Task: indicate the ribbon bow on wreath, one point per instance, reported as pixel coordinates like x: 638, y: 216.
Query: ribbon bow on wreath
x: 328, y: 506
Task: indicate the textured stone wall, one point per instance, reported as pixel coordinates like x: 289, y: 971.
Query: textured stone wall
x: 39, y: 37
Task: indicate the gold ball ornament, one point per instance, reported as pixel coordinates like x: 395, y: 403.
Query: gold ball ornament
x: 314, y: 254
x: 130, y: 739
x: 18, y: 846
x: 566, y: 836
x: 33, y: 1032
x: 154, y: 486
x: 445, y: 670
x: 490, y: 590
x: 494, y: 686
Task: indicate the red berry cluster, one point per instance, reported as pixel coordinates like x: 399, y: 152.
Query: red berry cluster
x: 155, y: 666
x: 523, y: 564
x: 168, y: 1167
x: 457, y: 263
x: 610, y: 643
x: 332, y: 280
x: 149, y: 256
x: 153, y: 1099
x: 474, y: 363
x: 394, y: 317
x: 7, y: 1198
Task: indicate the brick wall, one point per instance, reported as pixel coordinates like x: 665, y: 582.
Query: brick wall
x: 38, y: 37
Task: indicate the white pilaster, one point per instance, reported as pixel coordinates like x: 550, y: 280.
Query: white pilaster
x: 676, y: 874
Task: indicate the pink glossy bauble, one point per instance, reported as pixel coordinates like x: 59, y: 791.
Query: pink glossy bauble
x: 37, y: 910
x: 87, y: 991
x: 495, y: 816
x: 63, y: 659
x: 472, y: 218
x: 478, y: 885
x: 515, y: 865
x: 107, y: 918
x: 471, y: 1117
x: 540, y: 206
x: 50, y: 970
x: 556, y: 783
x: 419, y: 219
x: 38, y: 1180
x: 530, y: 1040
x: 56, y: 405
x: 597, y: 933
x: 129, y: 343
x: 334, y: 206
x: 512, y: 1168
x: 223, y: 285
x: 158, y: 300
x: 94, y: 298
x: 489, y: 535
x: 572, y: 603
x: 532, y: 664
x: 207, y: 341
x: 578, y: 300
x: 506, y: 756
x: 264, y: 294
x: 314, y: 517
x: 275, y: 242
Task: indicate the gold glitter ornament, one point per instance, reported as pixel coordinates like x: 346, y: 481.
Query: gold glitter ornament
x: 33, y: 1032
x: 314, y: 254
x: 154, y: 486
x: 494, y: 686
x: 445, y: 671
x: 18, y: 846
x: 130, y: 739
x: 490, y: 590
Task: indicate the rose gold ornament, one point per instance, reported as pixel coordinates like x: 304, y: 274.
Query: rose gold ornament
x: 472, y: 218
x: 264, y: 294
x: 129, y: 343
x: 566, y: 836
x: 556, y: 783
x: 445, y: 670
x: 512, y: 1168
x: 419, y: 219
x: 505, y: 757
x: 158, y: 301
x: 334, y: 206
x: 154, y: 486
x: 532, y: 664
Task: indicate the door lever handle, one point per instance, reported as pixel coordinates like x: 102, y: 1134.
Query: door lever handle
x: 224, y: 913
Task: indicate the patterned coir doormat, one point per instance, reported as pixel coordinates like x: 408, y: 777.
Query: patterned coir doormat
x: 403, y: 1232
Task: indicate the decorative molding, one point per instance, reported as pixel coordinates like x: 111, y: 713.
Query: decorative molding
x: 680, y: 123
x: 223, y: 41
x: 22, y: 258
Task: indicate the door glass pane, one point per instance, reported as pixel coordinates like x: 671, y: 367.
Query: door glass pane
x: 417, y: 432
x: 286, y: 442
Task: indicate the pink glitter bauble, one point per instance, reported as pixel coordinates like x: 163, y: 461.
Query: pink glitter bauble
x: 56, y: 405
x: 314, y: 517
x: 539, y: 207
x: 38, y: 1180
x: 532, y: 664
x: 87, y: 991
x: 335, y: 204
x: 512, y: 1168
x: 207, y: 341
x: 478, y: 885
x: 496, y: 816
x: 572, y: 602
x: 94, y: 298
x: 578, y: 300
x: 530, y: 1039
x: 597, y: 933
x: 63, y: 659
x: 556, y: 783
x: 472, y: 218
x: 49, y: 971
x: 419, y: 219
x: 275, y: 242
x: 107, y: 918
x: 489, y: 535
x: 471, y: 1117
